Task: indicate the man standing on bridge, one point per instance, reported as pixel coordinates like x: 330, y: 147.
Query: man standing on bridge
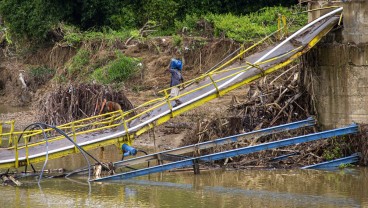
x: 176, y: 78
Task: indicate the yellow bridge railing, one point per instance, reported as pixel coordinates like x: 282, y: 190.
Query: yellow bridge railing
x: 120, y: 118
x: 31, y: 138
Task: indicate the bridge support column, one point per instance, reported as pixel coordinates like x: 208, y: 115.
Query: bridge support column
x: 338, y: 68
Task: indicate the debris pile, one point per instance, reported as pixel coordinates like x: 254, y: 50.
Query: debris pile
x: 76, y: 102
x: 273, y: 100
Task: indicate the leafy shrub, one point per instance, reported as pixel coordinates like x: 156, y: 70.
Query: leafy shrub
x: 238, y: 28
x: 246, y: 27
x: 41, y: 74
x: 78, y: 63
x: 161, y: 11
x: 118, y: 70
x: 72, y: 34
x: 126, y: 19
x: 30, y: 19
x: 73, y: 37
x: 189, y: 23
x: 177, y: 40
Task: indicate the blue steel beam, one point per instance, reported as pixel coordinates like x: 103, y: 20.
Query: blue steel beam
x: 226, y: 140
x: 236, y: 152
x: 335, y: 163
x: 282, y: 157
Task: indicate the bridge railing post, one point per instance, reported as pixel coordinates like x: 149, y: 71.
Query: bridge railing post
x: 125, y: 125
x: 11, y: 133
x: 16, y: 151
x: 214, y: 84
x: 167, y: 98
x: 285, y: 25
x: 1, y: 132
x: 74, y: 137
x: 27, y: 150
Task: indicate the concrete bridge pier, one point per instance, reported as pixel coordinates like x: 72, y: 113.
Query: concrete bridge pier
x: 338, y: 67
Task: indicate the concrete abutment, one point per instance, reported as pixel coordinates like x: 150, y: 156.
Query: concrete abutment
x: 339, y: 67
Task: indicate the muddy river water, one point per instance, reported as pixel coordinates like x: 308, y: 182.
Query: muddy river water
x: 249, y: 188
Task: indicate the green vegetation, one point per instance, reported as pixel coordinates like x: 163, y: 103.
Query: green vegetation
x: 178, y: 40
x: 31, y: 19
x: 41, y: 74
x: 342, y: 166
x: 95, y: 27
x: 78, y: 63
x: 74, y: 37
x: 35, y: 19
x: 335, y: 150
x: 118, y: 70
x: 243, y: 28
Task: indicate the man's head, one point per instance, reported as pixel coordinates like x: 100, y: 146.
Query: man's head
x: 176, y: 64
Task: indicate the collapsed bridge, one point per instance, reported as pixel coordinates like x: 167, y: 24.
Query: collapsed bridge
x: 29, y: 147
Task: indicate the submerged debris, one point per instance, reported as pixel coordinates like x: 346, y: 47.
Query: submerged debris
x: 8, y: 180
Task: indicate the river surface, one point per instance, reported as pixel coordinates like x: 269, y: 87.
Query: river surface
x: 246, y: 188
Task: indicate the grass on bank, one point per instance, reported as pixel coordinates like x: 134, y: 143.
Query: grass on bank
x: 118, y: 70
x: 115, y: 67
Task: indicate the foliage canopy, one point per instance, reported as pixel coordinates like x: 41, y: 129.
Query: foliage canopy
x: 34, y: 19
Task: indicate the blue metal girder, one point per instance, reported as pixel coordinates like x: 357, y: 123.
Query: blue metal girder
x: 335, y: 163
x: 282, y: 157
x: 236, y: 152
x: 226, y: 140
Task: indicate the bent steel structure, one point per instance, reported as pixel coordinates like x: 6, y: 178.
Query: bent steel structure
x: 121, y: 127
x: 235, y: 152
x: 335, y: 163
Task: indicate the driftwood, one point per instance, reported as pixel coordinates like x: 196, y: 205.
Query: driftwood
x: 10, y: 180
x: 273, y: 100
x: 144, y: 31
x: 76, y: 102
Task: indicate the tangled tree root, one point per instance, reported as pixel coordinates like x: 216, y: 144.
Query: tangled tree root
x: 76, y: 102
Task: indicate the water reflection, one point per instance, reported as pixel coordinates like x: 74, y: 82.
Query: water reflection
x: 272, y: 188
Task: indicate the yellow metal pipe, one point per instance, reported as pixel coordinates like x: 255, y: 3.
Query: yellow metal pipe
x: 1, y: 132
x: 248, y: 49
x: 125, y: 125
x: 16, y: 153
x: 340, y: 19
x: 285, y: 25
x: 74, y: 138
x: 214, y: 83
x: 62, y: 137
x: 27, y: 150
x: 11, y: 132
x: 167, y: 98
